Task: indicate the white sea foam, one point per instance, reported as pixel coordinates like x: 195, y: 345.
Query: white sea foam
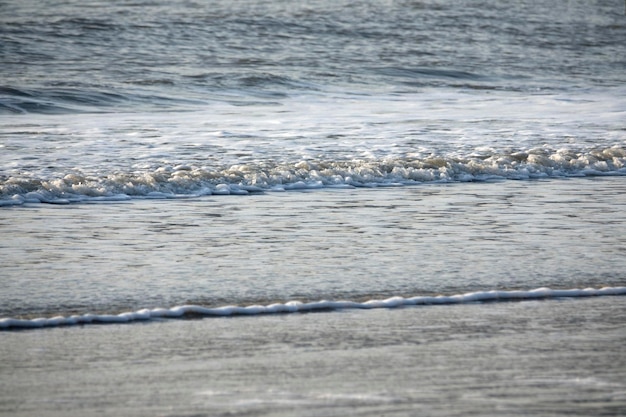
x: 333, y: 139
x: 297, y: 306
x: 257, y: 177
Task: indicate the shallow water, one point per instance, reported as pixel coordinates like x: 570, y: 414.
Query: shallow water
x: 325, y: 244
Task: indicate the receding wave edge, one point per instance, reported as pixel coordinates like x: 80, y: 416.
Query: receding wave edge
x: 301, y: 307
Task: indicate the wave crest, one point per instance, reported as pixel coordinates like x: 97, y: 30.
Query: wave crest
x: 189, y: 180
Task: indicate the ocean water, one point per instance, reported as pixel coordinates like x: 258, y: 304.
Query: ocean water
x: 323, y: 208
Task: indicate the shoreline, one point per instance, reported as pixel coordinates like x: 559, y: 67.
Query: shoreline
x: 546, y: 358
x: 195, y: 311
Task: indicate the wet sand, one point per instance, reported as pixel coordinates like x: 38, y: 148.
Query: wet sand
x: 544, y: 358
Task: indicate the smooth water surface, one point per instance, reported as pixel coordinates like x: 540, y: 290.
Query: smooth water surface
x: 324, y: 244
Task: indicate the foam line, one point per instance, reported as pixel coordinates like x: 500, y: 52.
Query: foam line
x: 297, y: 306
x: 185, y: 181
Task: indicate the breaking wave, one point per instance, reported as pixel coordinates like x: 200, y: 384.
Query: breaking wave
x: 191, y: 181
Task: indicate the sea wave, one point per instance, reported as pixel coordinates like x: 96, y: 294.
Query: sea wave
x: 300, y: 307
x: 192, y: 181
x: 75, y: 98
